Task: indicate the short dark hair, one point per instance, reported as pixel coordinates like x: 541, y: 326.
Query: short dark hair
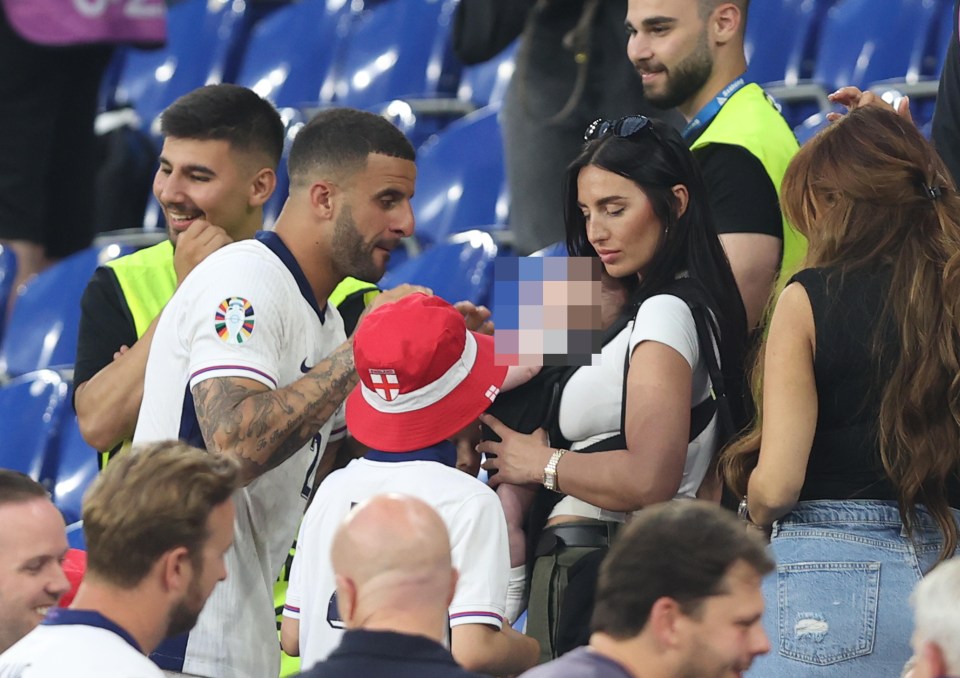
x: 148, y: 500
x: 707, y: 6
x: 16, y: 487
x: 682, y: 550
x: 229, y: 113
x: 340, y: 139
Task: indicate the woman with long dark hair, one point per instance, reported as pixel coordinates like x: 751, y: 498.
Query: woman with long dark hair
x: 642, y: 427
x: 854, y: 466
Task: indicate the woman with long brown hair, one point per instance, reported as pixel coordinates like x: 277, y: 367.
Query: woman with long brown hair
x: 854, y: 467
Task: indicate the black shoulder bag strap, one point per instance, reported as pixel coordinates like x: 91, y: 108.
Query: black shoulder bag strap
x: 707, y: 332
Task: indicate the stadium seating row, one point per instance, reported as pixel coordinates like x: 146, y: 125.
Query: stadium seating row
x: 393, y: 57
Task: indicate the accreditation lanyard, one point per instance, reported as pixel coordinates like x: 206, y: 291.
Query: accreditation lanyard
x: 709, y: 112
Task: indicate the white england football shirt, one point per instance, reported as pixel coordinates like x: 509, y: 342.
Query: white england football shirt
x: 246, y: 311
x: 473, y: 516
x: 78, y: 644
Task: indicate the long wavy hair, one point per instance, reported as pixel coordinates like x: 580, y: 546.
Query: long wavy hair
x: 656, y: 159
x: 867, y: 192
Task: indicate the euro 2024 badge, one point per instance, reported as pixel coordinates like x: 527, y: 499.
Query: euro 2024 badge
x: 234, y: 320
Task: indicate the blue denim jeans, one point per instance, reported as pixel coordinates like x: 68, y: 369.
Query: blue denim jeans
x: 838, y: 604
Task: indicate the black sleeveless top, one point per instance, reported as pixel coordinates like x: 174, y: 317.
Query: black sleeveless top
x: 848, y: 312
x: 850, y: 319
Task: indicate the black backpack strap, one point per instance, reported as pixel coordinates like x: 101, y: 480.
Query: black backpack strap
x: 707, y: 334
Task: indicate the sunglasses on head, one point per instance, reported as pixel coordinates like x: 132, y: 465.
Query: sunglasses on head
x: 624, y: 128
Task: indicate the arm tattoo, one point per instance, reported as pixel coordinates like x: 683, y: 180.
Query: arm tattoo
x: 263, y: 428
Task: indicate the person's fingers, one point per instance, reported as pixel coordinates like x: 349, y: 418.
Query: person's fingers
x: 495, y: 425
x: 903, y: 108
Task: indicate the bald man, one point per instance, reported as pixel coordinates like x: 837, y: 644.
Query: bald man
x: 395, y: 582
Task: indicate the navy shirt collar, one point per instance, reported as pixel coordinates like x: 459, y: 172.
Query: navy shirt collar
x: 403, y: 646
x: 444, y: 452
x: 60, y: 616
x: 278, y: 247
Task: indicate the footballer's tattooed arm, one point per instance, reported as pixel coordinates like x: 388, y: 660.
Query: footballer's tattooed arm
x: 261, y: 428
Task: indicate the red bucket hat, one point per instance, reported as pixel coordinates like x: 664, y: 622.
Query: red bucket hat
x: 423, y: 376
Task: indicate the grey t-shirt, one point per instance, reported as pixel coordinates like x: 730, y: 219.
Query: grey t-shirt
x: 580, y: 663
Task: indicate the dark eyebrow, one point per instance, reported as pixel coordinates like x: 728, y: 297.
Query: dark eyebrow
x: 603, y: 201
x: 658, y: 21
x: 196, y: 168
x: 394, y: 193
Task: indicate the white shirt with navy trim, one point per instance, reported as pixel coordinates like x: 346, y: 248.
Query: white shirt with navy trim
x: 246, y: 311
x: 76, y: 644
x: 474, y: 519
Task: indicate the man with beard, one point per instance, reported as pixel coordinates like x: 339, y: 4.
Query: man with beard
x: 222, y: 144
x: 249, y: 360
x: 689, y: 54
x: 678, y: 596
x: 158, y: 523
x: 33, y: 544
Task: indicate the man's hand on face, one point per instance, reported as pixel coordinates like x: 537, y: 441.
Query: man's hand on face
x: 195, y: 244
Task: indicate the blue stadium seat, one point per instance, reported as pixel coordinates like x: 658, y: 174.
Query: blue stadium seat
x: 394, y: 49
x: 289, y: 53
x: 31, y: 409
x: 460, y: 269
x: 203, y: 47
x: 460, y: 180
x: 810, y: 127
x: 75, y: 538
x: 781, y: 39
x: 75, y: 467
x: 486, y: 83
x: 42, y: 330
x: 862, y: 42
x: 480, y: 85
x: 921, y: 81
x: 557, y: 249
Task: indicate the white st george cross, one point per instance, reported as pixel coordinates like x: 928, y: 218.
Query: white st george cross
x: 385, y: 377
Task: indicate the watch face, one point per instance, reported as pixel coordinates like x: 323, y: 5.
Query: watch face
x: 550, y: 479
